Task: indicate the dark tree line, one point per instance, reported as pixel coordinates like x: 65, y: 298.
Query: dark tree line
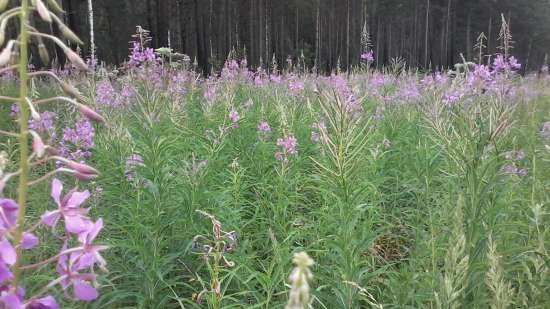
x: 425, y: 33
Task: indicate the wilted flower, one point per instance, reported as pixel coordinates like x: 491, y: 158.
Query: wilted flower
x: 299, y: 279
x: 515, y: 155
x: 512, y: 169
x: 132, y: 163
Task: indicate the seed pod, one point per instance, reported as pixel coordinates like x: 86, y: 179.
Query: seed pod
x: 38, y: 145
x: 3, y: 5
x: 5, y: 55
x: 72, y: 91
x: 89, y: 113
x: 43, y: 11
x: 85, y: 177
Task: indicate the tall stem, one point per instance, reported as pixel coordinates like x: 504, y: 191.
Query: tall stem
x: 23, y: 138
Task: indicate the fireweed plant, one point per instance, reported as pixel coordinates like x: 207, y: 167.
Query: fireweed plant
x: 408, y: 190
x: 79, y: 257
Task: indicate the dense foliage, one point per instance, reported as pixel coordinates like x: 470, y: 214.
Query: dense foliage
x: 407, y: 190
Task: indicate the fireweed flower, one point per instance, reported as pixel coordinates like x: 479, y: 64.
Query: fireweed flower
x: 89, y: 253
x: 132, y: 163
x: 69, y: 208
x: 512, y: 169
x: 106, y: 94
x: 81, y: 284
x: 295, y: 84
x: 77, y: 141
x: 515, y: 155
x: 8, y: 219
x: 288, y: 146
x: 368, y: 56
x: 234, y: 116
x: 47, y: 302
x: 263, y: 127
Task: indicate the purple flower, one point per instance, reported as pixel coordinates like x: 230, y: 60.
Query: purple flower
x: 77, y: 142
x: 47, y: 302
x: 512, y: 169
x: 75, y: 217
x: 263, y: 127
x: 11, y: 298
x: 81, y: 283
x: 29, y: 241
x: 106, y: 94
x: 288, y: 146
x: 295, y: 84
x: 90, y: 253
x: 8, y: 214
x: 45, y: 124
x: 132, y: 163
x: 368, y: 56
x: 515, y: 155
x: 234, y: 116
x: 140, y: 55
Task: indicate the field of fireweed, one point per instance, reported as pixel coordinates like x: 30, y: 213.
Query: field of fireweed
x: 407, y: 190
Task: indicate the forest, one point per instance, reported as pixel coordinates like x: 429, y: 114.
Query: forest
x: 425, y: 33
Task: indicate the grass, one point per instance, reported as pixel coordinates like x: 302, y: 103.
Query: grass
x: 404, y: 208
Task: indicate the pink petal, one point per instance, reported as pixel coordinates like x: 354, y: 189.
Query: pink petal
x: 5, y: 273
x: 47, y: 302
x: 76, y: 224
x: 7, y: 252
x: 57, y: 187
x: 29, y: 241
x: 11, y: 301
x: 84, y: 291
x: 77, y: 198
x: 50, y: 218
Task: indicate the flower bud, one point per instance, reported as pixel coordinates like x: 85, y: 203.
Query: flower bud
x: 52, y: 151
x: 38, y: 145
x: 89, y: 113
x: 69, y: 34
x: 72, y: 91
x: 5, y: 55
x: 43, y: 11
x: 85, y: 177
x: 82, y: 168
x: 34, y: 113
x: 75, y: 59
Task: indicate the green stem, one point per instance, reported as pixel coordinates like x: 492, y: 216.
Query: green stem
x: 23, y: 138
